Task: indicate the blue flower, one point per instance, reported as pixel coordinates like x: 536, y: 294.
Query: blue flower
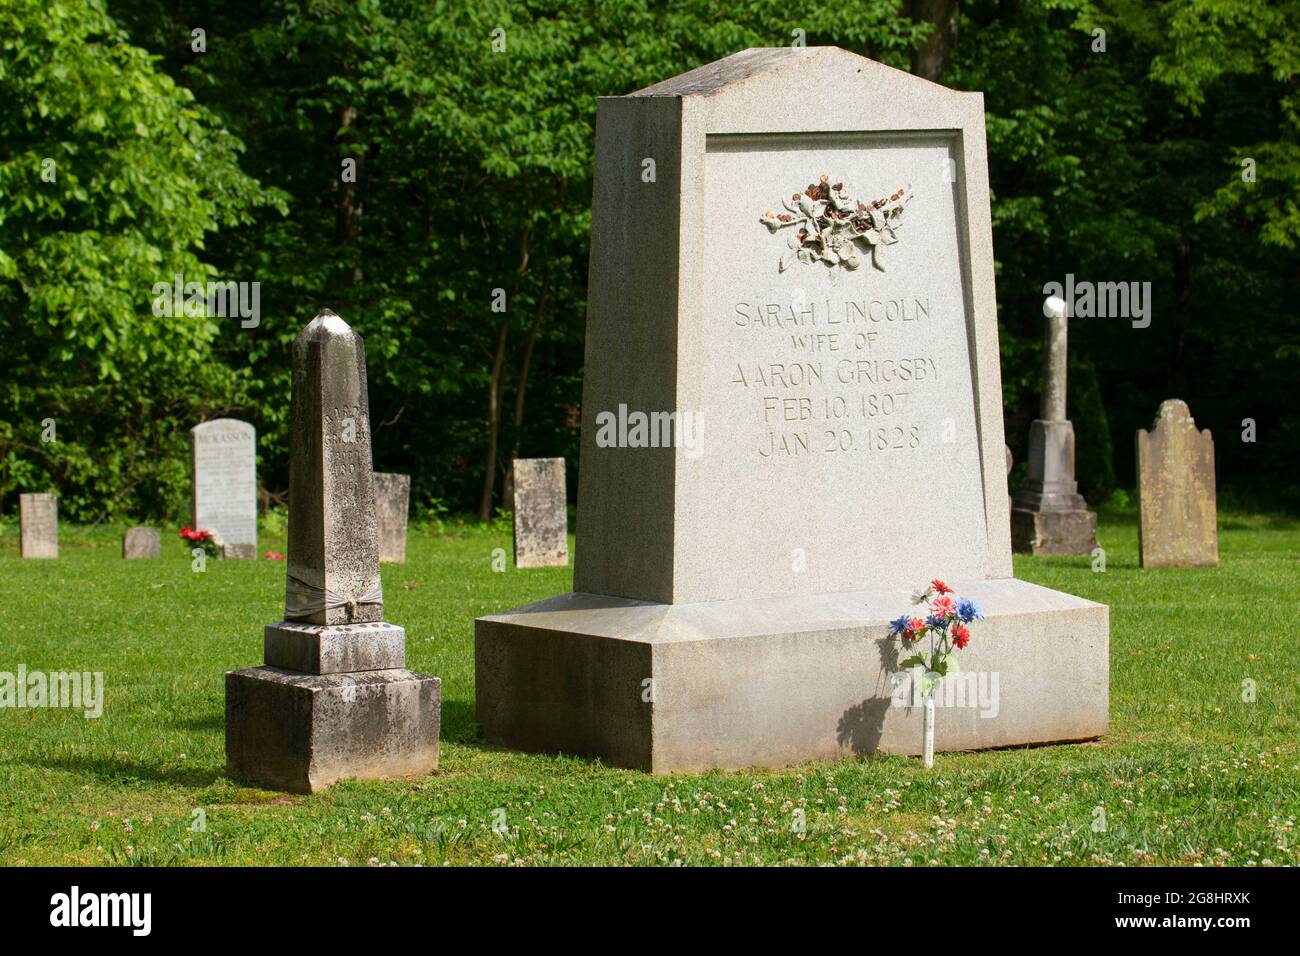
x: 899, y: 625
x: 937, y: 622
x: 968, y: 610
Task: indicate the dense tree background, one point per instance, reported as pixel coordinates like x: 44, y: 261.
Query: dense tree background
x: 1114, y: 156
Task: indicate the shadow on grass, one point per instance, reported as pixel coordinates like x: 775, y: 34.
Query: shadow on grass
x: 458, y: 723
x: 125, y: 771
x: 209, y: 723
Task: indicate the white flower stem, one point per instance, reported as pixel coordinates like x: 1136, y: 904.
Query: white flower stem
x: 927, y: 748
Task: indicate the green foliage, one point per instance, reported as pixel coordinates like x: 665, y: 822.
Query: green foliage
x: 1094, y: 465
x: 110, y: 178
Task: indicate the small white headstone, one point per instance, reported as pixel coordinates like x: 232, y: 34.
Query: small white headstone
x: 225, y: 484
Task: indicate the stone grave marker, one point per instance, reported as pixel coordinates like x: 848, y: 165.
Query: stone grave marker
x: 334, y: 699
x: 541, y: 513
x: 1177, y: 511
x: 392, y: 502
x: 141, y: 543
x: 225, y: 483
x: 38, y: 522
x: 1049, y: 516
x: 791, y: 420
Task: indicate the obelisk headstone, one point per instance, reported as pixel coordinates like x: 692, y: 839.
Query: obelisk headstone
x: 225, y: 484
x: 38, y: 522
x: 791, y: 381
x: 334, y: 699
x: 541, y: 513
x: 141, y: 543
x: 392, y: 503
x: 1177, y: 513
x: 1049, y: 516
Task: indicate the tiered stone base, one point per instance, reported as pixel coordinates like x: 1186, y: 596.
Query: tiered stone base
x: 1053, y: 532
x: 777, y: 681
x: 302, y: 732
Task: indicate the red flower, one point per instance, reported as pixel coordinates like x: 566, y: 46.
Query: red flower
x: 274, y: 556
x: 940, y: 586
x: 960, y: 636
x: 943, y: 607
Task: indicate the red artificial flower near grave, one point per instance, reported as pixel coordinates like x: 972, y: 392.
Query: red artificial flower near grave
x: 195, y: 536
x: 940, y: 586
x: 960, y: 636
x: 274, y: 556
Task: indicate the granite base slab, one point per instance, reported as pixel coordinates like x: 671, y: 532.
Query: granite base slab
x: 777, y: 681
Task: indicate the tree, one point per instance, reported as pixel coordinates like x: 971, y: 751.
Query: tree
x: 111, y: 176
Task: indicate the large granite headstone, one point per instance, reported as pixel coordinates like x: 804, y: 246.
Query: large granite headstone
x: 141, y: 543
x: 392, y: 502
x: 334, y: 699
x: 38, y: 523
x: 225, y: 484
x: 1177, y: 514
x: 810, y: 279
x: 541, y: 513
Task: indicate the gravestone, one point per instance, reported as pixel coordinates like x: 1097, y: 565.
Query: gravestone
x: 1177, y: 514
x: 392, y: 502
x: 225, y: 484
x: 1049, y: 516
x: 334, y: 699
x: 541, y: 514
x: 141, y: 543
x: 38, y: 523
x: 791, y: 420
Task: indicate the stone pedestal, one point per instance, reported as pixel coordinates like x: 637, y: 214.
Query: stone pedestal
x: 1049, y: 516
x: 766, y: 683
x: 334, y: 699
x: 303, y: 732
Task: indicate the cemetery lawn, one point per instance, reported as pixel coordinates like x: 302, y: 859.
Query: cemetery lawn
x: 1189, y: 773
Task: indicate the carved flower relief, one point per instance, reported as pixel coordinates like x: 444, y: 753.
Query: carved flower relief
x: 834, y: 228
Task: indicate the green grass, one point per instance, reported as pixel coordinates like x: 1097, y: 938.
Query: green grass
x: 1188, y: 774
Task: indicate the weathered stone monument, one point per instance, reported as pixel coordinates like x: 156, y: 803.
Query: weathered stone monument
x: 1177, y: 514
x: 807, y: 282
x: 1049, y: 516
x: 141, y: 543
x: 38, y: 523
x: 541, y: 513
x: 334, y: 699
x: 225, y: 483
x: 392, y: 504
